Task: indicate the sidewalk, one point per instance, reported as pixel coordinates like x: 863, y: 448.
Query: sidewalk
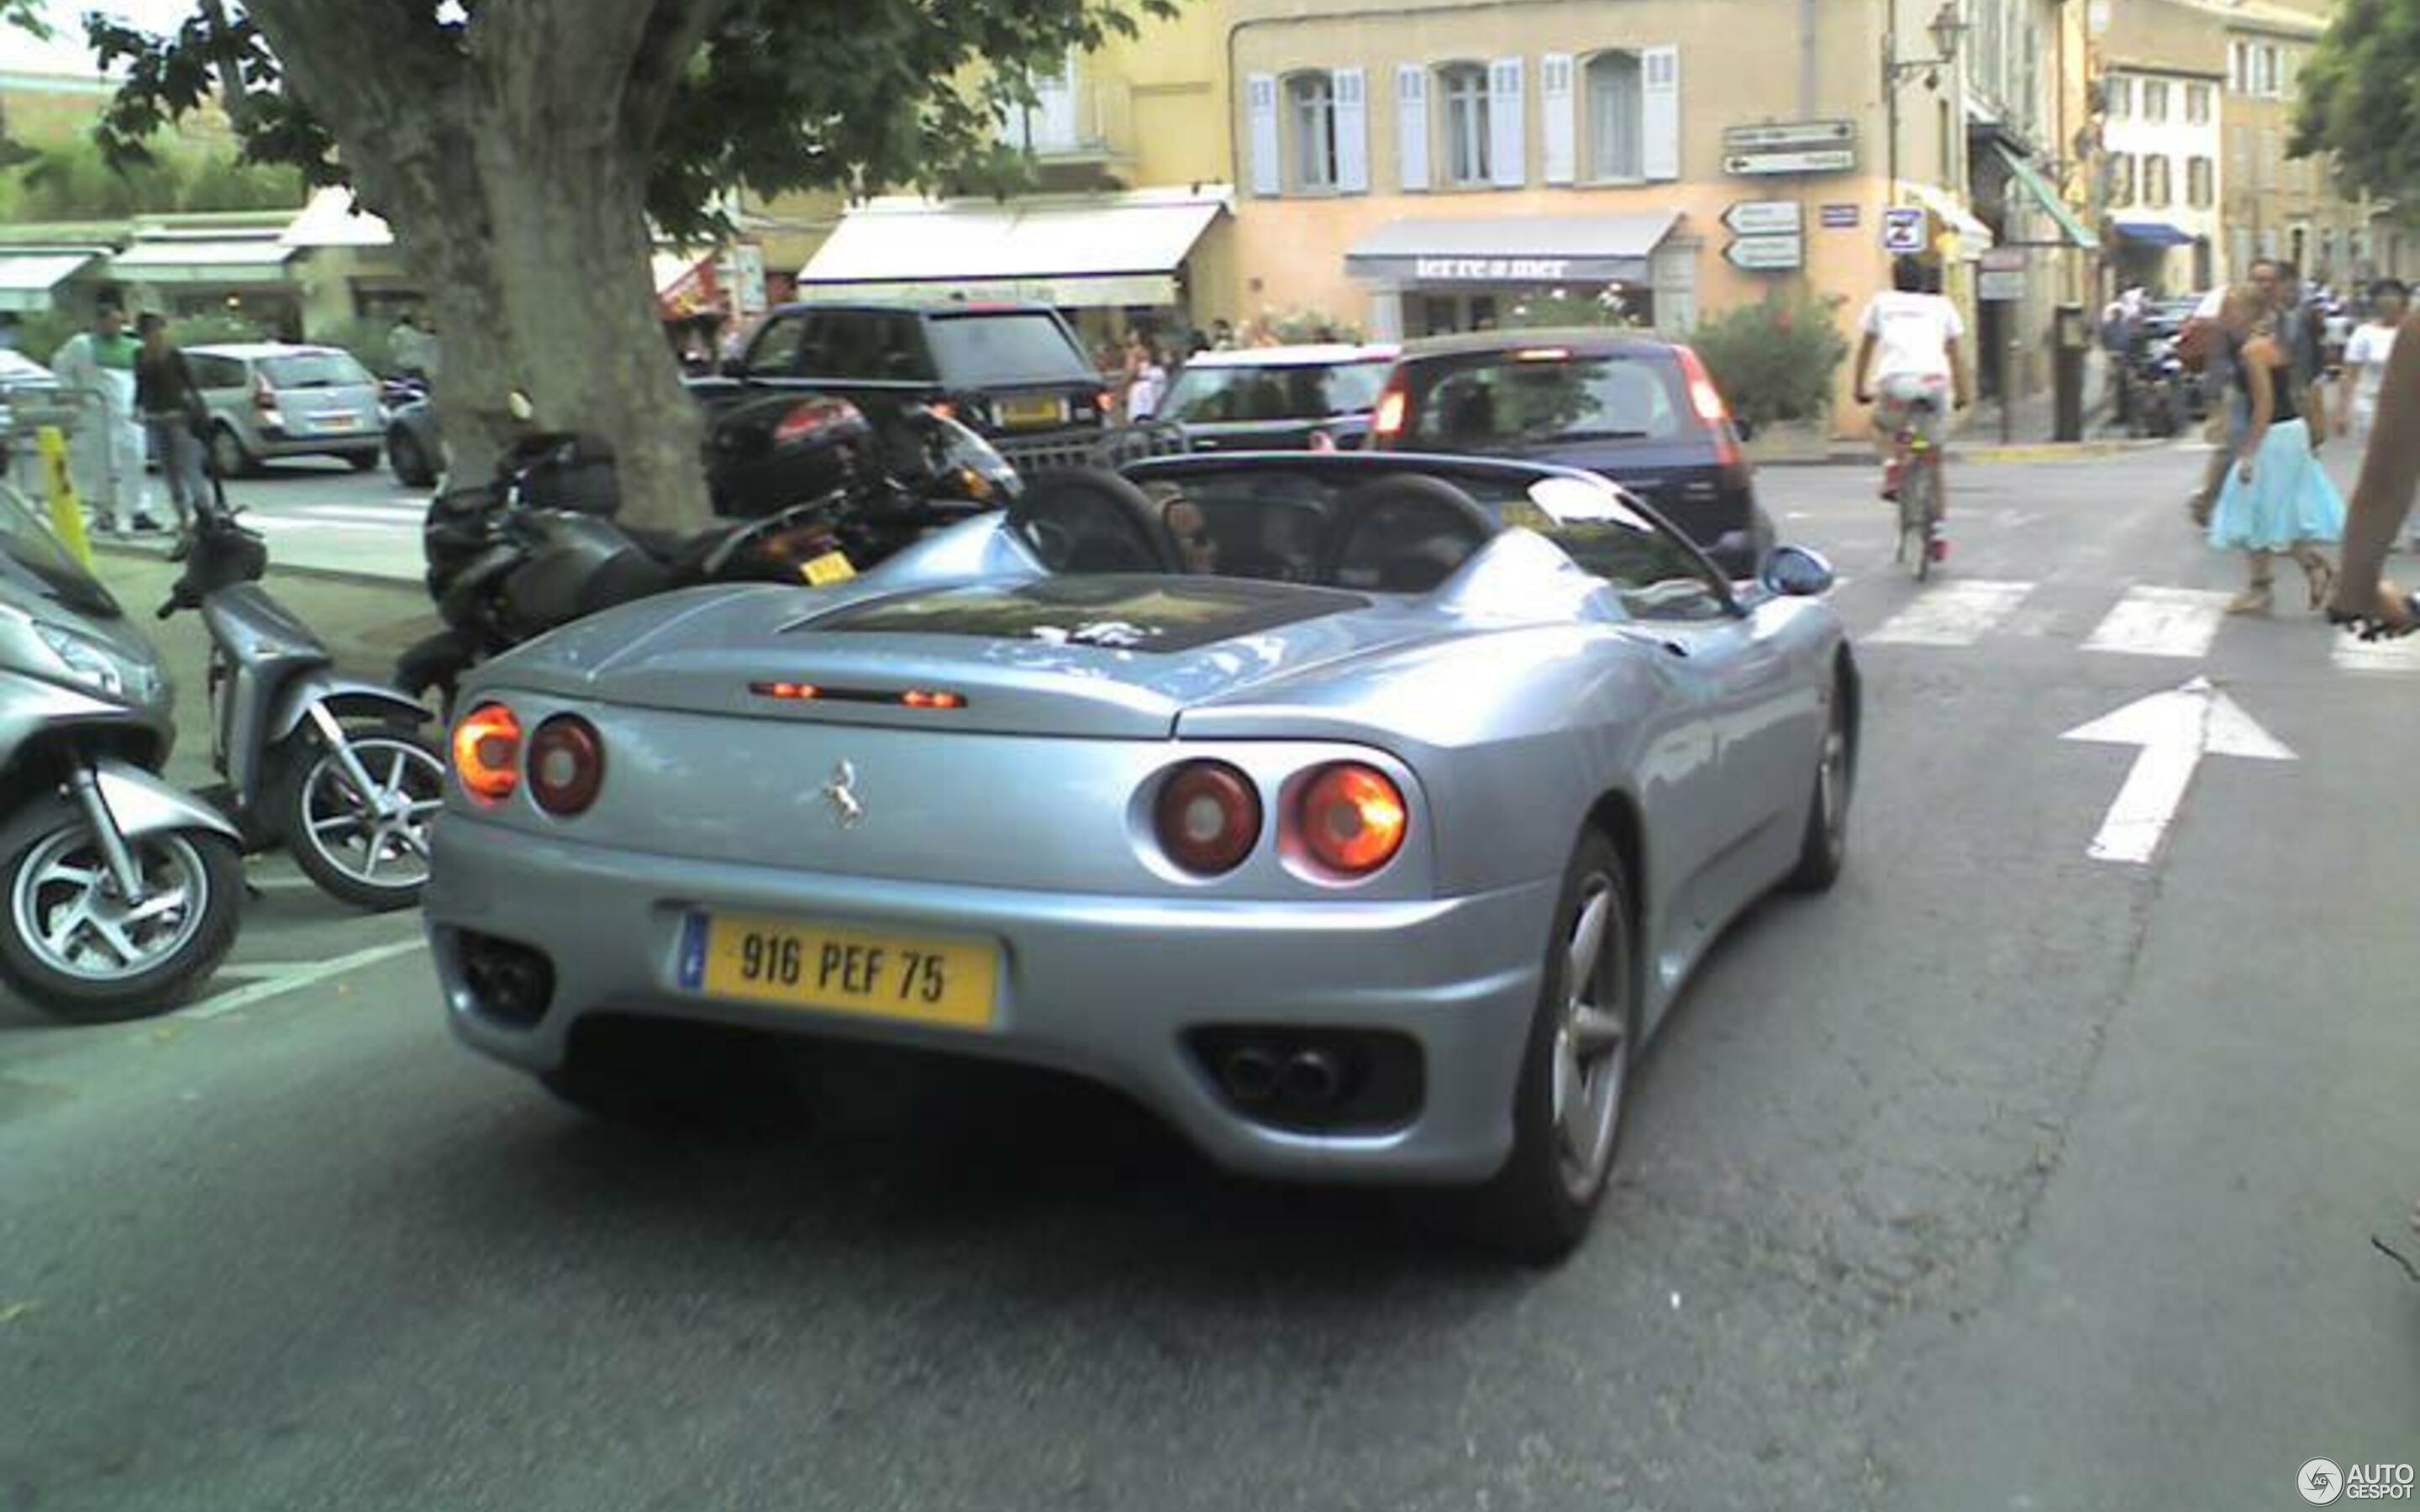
x: 300, y: 549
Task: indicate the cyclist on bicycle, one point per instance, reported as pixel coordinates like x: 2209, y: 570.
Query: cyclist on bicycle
x: 1909, y: 356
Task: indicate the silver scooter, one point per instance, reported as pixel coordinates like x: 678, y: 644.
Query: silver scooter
x: 118, y: 892
x: 334, y: 770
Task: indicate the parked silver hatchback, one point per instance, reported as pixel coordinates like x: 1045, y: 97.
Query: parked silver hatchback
x: 271, y: 400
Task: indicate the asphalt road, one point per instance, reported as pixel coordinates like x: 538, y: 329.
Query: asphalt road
x: 2001, y: 1177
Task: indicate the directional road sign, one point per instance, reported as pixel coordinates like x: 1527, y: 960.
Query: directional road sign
x: 1767, y: 254
x: 1766, y: 217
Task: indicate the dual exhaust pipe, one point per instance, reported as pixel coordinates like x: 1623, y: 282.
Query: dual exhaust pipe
x: 1256, y: 1076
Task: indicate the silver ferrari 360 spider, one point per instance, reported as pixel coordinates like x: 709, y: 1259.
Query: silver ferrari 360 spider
x: 1358, y: 814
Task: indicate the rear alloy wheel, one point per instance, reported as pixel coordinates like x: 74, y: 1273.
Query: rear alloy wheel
x: 1575, y: 1078
x: 1825, y: 845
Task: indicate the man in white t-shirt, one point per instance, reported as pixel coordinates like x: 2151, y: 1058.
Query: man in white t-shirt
x: 2366, y: 356
x: 1908, y: 361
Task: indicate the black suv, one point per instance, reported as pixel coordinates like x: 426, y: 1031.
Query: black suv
x: 1628, y: 406
x: 1014, y: 373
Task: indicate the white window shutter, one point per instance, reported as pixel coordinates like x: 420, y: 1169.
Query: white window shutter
x: 1261, y: 104
x: 1351, y: 89
x: 1557, y: 119
x: 1660, y: 86
x: 1508, y: 146
x: 1412, y: 125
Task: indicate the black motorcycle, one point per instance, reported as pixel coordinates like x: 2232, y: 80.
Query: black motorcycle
x: 540, y: 546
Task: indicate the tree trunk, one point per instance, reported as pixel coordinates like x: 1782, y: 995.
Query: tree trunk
x: 514, y: 172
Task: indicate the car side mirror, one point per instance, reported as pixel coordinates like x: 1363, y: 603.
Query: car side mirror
x: 1794, y: 572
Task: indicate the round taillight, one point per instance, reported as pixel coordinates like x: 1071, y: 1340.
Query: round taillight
x: 488, y: 752
x: 1208, y: 817
x: 567, y: 765
x: 1350, y: 818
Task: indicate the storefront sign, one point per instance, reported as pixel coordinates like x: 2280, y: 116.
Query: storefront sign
x: 1074, y: 291
x: 2001, y: 278
x: 1841, y: 217
x: 1490, y: 270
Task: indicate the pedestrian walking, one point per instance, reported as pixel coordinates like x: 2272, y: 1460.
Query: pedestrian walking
x: 2381, y: 501
x: 96, y: 365
x: 1146, y: 379
x: 2366, y: 353
x: 2277, y: 498
x: 176, y: 419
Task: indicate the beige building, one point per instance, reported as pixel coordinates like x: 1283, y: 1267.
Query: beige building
x: 1447, y: 164
x: 2164, y: 170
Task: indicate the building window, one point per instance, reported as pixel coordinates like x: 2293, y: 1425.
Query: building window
x: 2264, y: 70
x: 2155, y: 99
x: 1310, y: 115
x: 2202, y: 183
x: 2289, y: 68
x: 1467, y: 128
x: 2198, y: 104
x: 2121, y: 98
x: 1617, y: 113
x: 2121, y: 179
x: 2158, y: 191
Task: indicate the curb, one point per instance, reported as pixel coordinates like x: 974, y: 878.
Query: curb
x: 334, y: 575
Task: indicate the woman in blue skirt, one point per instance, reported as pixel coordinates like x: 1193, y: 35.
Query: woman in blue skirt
x: 2278, y: 500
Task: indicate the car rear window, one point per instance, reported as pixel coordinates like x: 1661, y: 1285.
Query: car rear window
x: 978, y: 351
x: 315, y: 370
x: 1531, y: 398
x: 1223, y: 396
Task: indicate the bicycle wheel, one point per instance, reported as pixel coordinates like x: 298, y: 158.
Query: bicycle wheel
x: 1916, y: 485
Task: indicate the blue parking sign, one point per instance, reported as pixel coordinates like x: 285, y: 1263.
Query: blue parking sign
x: 1904, y: 229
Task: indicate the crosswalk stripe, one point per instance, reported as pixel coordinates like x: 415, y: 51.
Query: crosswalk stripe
x: 2356, y: 655
x: 1953, y: 613
x: 2162, y: 622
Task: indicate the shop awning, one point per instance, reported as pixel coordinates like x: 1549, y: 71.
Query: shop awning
x: 27, y: 278
x: 2155, y: 234
x: 2045, y: 195
x: 685, y: 286
x: 331, y: 219
x: 1513, y: 249
x: 1974, y: 237
x: 1094, y: 249
x: 257, y: 261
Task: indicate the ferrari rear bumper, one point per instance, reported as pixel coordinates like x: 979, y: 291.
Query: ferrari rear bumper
x: 1117, y: 990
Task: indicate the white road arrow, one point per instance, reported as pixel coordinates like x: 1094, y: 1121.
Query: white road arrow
x: 2173, y: 731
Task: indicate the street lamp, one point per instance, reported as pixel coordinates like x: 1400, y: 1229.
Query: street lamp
x: 1946, y: 29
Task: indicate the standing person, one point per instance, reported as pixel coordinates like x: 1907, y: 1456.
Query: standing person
x: 2366, y: 353
x: 98, y: 367
x: 2278, y: 498
x: 2302, y: 335
x: 1146, y: 379
x: 1910, y: 354
x: 2390, y: 472
x: 175, y: 418
x: 404, y: 345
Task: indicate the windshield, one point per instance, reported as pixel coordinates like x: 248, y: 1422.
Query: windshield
x: 28, y: 542
x: 316, y: 370
x: 975, y: 351
x: 1500, y: 399
x: 1223, y: 396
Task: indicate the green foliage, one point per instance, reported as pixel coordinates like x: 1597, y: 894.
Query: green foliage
x: 1302, y: 328
x: 2359, y: 101
x: 782, y: 95
x: 211, y: 330
x: 365, y: 339
x: 43, y: 332
x: 78, y: 181
x: 1776, y: 360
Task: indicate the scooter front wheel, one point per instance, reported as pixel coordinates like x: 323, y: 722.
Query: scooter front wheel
x: 74, y: 946
x: 367, y: 849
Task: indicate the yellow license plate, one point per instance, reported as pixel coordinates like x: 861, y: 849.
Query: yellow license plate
x: 841, y: 969
x: 1030, y: 413
x: 831, y: 567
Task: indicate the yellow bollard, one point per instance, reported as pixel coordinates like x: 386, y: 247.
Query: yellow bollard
x: 67, y: 510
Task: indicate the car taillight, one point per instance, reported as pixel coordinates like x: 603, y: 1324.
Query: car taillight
x: 1351, y: 819
x: 488, y: 752
x: 1208, y: 817
x: 811, y: 418
x: 1388, y: 421
x: 1706, y: 399
x: 567, y: 766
